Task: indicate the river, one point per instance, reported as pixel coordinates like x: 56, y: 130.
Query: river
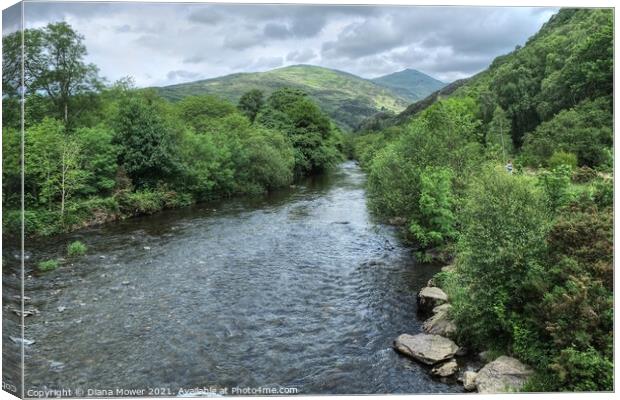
x: 299, y: 289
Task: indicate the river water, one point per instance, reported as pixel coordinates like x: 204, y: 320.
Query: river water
x: 300, y: 289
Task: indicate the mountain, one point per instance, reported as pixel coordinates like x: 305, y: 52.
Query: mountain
x: 410, y: 84
x: 347, y: 98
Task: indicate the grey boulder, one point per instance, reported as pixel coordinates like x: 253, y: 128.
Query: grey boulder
x: 428, y: 349
x: 505, y: 374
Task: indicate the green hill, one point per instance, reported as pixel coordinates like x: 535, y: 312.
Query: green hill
x: 410, y: 84
x: 347, y: 98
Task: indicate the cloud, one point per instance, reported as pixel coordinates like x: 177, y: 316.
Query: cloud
x: 264, y: 63
x: 182, y: 75
x: 219, y: 39
x: 276, y: 30
x: 301, y: 56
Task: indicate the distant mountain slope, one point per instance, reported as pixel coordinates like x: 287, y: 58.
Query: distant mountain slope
x: 410, y: 84
x: 347, y: 98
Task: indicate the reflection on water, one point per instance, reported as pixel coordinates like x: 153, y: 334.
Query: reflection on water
x: 298, y: 289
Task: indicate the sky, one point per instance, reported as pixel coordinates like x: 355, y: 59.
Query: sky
x: 166, y: 43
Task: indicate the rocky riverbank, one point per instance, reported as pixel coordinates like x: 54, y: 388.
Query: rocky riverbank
x: 436, y: 348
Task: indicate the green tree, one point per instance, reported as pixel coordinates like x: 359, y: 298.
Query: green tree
x: 250, y: 103
x: 435, y: 223
x: 147, y: 148
x: 60, y: 70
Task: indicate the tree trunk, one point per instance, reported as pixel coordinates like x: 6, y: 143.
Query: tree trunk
x: 66, y: 112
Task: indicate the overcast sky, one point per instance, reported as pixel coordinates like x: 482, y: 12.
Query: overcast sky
x: 160, y: 44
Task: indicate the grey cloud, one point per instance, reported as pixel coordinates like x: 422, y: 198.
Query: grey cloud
x: 182, y: 75
x: 11, y: 19
x: 268, y: 62
x: 219, y: 39
x: 276, y: 30
x: 362, y: 39
x: 301, y: 56
x: 242, y: 40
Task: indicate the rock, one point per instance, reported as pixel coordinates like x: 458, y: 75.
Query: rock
x: 431, y: 283
x: 398, y: 221
x: 18, y: 340
x: 430, y: 297
x: 26, y: 313
x: 485, y: 356
x: 146, y: 248
x: 125, y: 283
x: 469, y: 380
x: 502, y: 375
x: 448, y: 268
x: 428, y: 349
x: 57, y: 365
x: 446, y: 369
x: 440, y: 324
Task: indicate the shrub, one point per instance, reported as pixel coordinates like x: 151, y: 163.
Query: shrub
x: 583, y: 175
x: 555, y: 184
x: 75, y: 249
x: 436, y: 220
x: 47, y: 265
x: 604, y: 193
x: 504, y: 222
x: 560, y: 157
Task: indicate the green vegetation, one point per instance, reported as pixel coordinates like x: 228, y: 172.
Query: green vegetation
x: 533, y: 249
x: 98, y: 153
x: 76, y: 249
x: 48, y: 265
x: 410, y: 84
x: 346, y: 98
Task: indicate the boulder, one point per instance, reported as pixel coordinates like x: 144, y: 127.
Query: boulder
x: 448, y: 268
x: 469, y: 380
x: 440, y: 324
x: 398, y: 221
x: 446, y: 369
x: 502, y: 375
x: 428, y: 349
x: 430, y: 297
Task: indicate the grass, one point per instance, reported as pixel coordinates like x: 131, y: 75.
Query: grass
x: 76, y: 249
x: 47, y: 265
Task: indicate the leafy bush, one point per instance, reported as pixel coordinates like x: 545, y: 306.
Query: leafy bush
x: 559, y: 158
x: 47, y: 265
x: 75, y: 249
x: 583, y: 175
x: 555, y: 184
x: 500, y: 249
x: 436, y: 220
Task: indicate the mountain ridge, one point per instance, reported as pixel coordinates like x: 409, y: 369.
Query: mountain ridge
x: 410, y: 83
x: 346, y: 97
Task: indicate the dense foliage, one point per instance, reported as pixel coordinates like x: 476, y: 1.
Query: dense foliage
x: 96, y: 153
x: 533, y: 246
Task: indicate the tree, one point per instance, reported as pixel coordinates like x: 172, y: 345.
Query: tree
x: 250, y: 103
x: 71, y: 174
x: 59, y: 69
x: 54, y: 163
x: 147, y: 147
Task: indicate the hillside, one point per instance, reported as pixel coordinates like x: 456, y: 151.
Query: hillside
x: 347, y: 98
x: 410, y: 84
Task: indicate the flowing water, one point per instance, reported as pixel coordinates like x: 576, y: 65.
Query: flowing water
x: 300, y: 289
